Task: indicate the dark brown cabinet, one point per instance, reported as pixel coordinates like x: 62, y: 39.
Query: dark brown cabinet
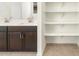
x: 3, y: 41
x: 18, y: 38
x: 30, y: 41
x: 14, y: 41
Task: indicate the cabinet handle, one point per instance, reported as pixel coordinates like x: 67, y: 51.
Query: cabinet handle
x: 20, y: 35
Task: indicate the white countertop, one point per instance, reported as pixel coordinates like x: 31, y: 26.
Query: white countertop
x: 18, y: 23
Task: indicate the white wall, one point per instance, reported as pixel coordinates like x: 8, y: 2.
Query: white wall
x: 41, y: 40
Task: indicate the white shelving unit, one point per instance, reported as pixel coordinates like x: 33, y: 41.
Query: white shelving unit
x: 62, y: 19
x: 59, y: 34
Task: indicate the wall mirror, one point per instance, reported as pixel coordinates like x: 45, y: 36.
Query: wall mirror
x: 15, y: 10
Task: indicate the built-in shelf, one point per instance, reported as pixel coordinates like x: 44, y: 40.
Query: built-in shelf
x: 60, y: 34
x: 61, y: 23
x: 60, y: 11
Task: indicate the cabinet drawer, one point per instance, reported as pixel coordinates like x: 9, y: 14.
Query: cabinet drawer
x: 22, y: 28
x: 2, y: 28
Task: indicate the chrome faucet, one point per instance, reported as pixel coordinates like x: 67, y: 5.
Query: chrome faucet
x: 7, y: 19
x: 30, y: 19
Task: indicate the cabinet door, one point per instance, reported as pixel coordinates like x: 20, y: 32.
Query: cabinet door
x: 3, y: 41
x: 14, y: 41
x: 30, y: 41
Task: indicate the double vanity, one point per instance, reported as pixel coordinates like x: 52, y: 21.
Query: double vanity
x: 18, y: 35
x: 18, y: 27
x: 18, y: 38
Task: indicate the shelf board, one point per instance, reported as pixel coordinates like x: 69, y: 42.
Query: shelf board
x: 62, y: 23
x: 59, y: 34
x: 59, y: 11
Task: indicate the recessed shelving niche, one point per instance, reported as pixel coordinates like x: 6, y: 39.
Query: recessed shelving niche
x: 61, y: 19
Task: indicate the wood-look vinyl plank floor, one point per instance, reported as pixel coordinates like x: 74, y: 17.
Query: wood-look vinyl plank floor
x: 61, y: 50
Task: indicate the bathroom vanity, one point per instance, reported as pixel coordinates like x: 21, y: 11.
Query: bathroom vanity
x: 18, y: 28
x: 21, y: 27
x: 18, y: 38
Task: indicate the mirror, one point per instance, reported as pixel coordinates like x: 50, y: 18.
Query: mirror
x: 15, y: 10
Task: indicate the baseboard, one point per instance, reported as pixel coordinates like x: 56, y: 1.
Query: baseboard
x: 60, y: 41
